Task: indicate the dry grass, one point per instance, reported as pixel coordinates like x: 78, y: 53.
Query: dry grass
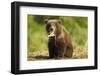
x: 79, y: 53
x: 38, y: 55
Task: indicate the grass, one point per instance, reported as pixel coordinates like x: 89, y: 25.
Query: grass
x: 37, y: 36
x: 79, y: 53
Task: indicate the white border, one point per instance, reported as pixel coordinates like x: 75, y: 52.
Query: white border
x: 26, y: 65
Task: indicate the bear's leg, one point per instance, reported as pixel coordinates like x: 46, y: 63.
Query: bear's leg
x: 51, y: 54
x: 51, y: 50
x: 51, y: 46
x: 61, y: 51
x: 56, y: 52
x: 69, y: 51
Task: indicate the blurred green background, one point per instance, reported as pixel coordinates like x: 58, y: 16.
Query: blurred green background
x: 38, y: 39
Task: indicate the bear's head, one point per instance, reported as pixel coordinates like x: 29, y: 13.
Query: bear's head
x: 53, y: 27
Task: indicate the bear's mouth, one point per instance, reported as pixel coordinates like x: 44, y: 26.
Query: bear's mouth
x: 51, y: 35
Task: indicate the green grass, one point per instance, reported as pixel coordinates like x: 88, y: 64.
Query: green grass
x: 38, y: 41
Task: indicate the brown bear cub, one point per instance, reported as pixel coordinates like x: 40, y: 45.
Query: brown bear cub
x: 59, y: 40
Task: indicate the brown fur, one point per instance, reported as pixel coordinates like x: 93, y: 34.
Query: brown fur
x: 60, y: 45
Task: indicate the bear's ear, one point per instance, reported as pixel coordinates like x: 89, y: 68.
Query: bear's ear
x: 59, y: 21
x: 45, y: 21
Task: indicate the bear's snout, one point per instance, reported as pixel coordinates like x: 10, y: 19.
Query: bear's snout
x: 51, y: 35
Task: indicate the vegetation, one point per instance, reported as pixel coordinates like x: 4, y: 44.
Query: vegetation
x: 37, y: 36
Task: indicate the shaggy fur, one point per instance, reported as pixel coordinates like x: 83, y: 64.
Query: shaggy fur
x: 59, y: 40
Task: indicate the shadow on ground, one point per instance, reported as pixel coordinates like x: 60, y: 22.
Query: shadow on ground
x: 42, y: 57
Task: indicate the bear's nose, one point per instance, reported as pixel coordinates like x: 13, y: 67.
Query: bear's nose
x: 51, y: 29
